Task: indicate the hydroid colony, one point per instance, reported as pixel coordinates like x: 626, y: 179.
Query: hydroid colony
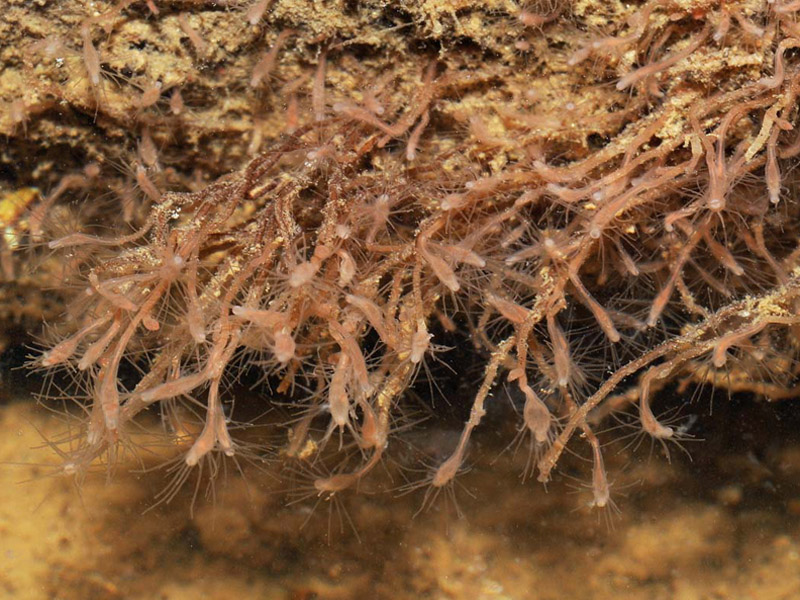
x: 599, y: 196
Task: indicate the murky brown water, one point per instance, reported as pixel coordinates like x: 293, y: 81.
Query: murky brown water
x: 726, y: 527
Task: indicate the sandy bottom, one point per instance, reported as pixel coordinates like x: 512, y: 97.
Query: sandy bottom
x: 724, y: 528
